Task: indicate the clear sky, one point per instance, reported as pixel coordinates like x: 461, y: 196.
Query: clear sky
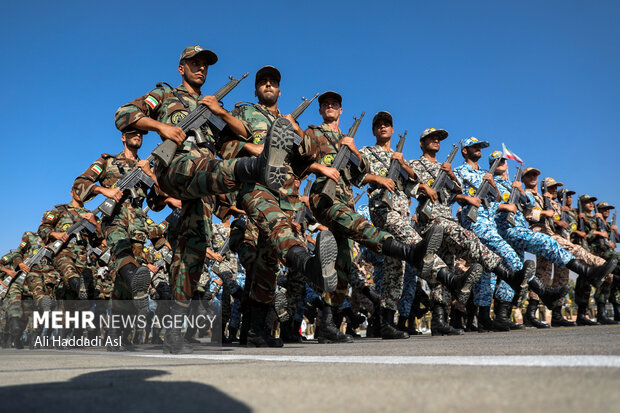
x: 540, y: 76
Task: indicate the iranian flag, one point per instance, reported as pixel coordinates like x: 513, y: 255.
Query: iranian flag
x: 508, y: 154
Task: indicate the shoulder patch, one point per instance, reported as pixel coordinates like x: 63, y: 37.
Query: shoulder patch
x: 107, y: 155
x: 151, y: 101
x: 96, y: 169
x: 243, y: 103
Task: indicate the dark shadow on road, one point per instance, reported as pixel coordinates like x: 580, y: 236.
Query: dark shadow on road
x: 113, y: 391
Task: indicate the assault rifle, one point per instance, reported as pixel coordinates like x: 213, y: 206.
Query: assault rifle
x: 74, y: 230
x: 194, y: 121
x: 582, y: 225
x: 483, y: 192
x: 612, y: 233
x: 600, y: 226
x: 297, y: 113
x: 358, y: 197
x: 395, y: 172
x: 174, y: 218
x: 443, y: 185
x: 128, y: 183
x: 104, y: 257
x: 564, y: 217
x: 515, y: 195
x: 301, y: 214
x: 20, y: 277
x: 166, y: 257
x: 342, y: 160
x: 546, y: 204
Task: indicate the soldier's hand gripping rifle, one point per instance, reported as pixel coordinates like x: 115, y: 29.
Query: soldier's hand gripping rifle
x: 74, y: 230
x: 194, y: 121
x: 613, y: 236
x: 443, y: 185
x: 342, y: 160
x: 102, y: 256
x: 483, y: 192
x: 600, y: 226
x: 20, y: 277
x: 515, y: 195
x: 300, y: 215
x: 546, y: 204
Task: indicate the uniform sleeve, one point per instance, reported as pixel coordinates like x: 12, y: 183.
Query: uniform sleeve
x: 156, y: 234
x: 85, y: 183
x: 48, y: 224
x: 145, y: 106
x: 22, y: 250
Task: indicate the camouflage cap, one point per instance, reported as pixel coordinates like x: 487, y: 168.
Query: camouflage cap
x: 330, y: 94
x: 191, y: 51
x: 132, y: 129
x: 604, y: 205
x: 568, y: 192
x: 586, y: 198
x: 552, y: 182
x: 440, y: 133
x: 383, y: 115
x: 267, y: 71
x: 495, y: 155
x: 473, y: 141
x: 530, y: 170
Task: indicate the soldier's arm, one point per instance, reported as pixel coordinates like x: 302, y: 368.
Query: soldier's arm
x: 47, y: 228
x: 86, y: 188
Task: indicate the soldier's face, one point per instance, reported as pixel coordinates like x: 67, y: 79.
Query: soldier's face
x: 194, y: 70
x: 473, y: 152
x: 330, y: 110
x: 605, y: 213
x: 383, y: 131
x: 569, y: 200
x: 588, y: 206
x: 502, y: 167
x: 530, y: 180
x: 133, y: 140
x: 267, y: 91
x: 430, y: 144
x: 553, y: 190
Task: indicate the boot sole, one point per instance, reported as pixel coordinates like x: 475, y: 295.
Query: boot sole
x: 433, y: 239
x: 326, y: 251
x: 607, y: 269
x: 471, y: 277
x: 140, y: 288
x: 45, y: 303
x: 278, y: 143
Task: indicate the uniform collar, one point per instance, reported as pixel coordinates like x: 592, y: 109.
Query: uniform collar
x: 325, y: 128
x: 278, y: 113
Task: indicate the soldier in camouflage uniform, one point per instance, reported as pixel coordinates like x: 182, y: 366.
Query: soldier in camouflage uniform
x: 339, y: 216
x: 38, y: 286
x: 598, y: 242
x: 540, y: 220
x: 614, y: 293
x: 272, y: 212
x: 194, y: 173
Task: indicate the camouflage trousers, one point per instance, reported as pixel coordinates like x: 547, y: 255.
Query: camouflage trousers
x: 190, y: 249
x: 33, y: 289
x: 276, y: 236
x: 126, y: 233
x: 347, y: 226
x: 608, y: 290
x: 399, y: 225
x: 409, y: 287
x: 561, y: 274
x: 487, y: 286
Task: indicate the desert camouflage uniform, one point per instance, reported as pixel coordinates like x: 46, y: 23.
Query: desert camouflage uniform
x: 194, y: 175
x: 340, y: 215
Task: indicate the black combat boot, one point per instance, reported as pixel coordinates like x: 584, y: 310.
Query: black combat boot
x: 373, y: 330
x: 530, y: 315
x: 75, y: 285
x: 190, y: 335
x: 421, y: 255
x: 582, y: 318
x: 456, y: 319
x: 388, y: 330
x: 259, y: 335
x: 594, y: 275
x: 173, y: 340
x: 16, y: 331
x: 503, y: 312
x: 616, y: 311
x: 288, y: 334
x: 353, y: 322
x: 439, y: 327
x: 557, y: 320
x: 327, y: 332
x: 320, y: 269
x: 156, y: 335
x: 402, y: 323
x: 460, y: 285
x: 485, y: 323
x: 472, y: 310
x: 411, y: 325
x: 517, y: 280
x: 548, y: 295
x: 372, y: 295
x: 138, y: 279
x: 601, y: 315
x: 269, y: 168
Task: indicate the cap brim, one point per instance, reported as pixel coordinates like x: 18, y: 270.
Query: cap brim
x: 592, y: 198
x: 441, y: 134
x: 556, y: 184
x: 267, y: 71
x: 330, y: 95
x: 606, y: 207
x: 209, y: 55
x: 531, y: 171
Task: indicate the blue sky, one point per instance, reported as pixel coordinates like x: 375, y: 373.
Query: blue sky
x: 540, y: 76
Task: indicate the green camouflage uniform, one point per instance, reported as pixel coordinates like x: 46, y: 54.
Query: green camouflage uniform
x: 271, y: 212
x: 340, y: 216
x: 601, y: 248
x: 193, y: 174
x: 72, y: 259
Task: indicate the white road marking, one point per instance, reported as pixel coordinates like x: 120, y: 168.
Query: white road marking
x: 512, y: 361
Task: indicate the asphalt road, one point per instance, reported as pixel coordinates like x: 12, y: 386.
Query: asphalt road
x: 570, y: 369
